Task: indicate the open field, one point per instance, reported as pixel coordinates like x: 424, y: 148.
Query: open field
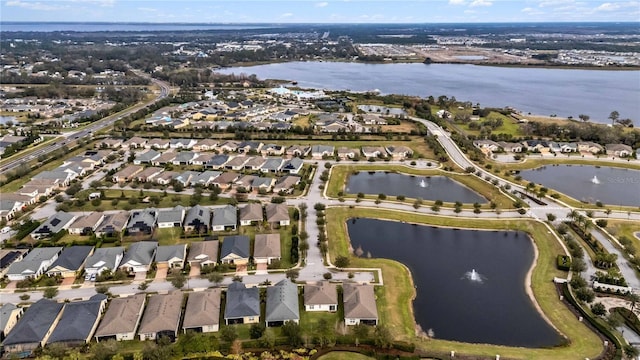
x: 620, y: 228
x: 343, y: 355
x: 340, y: 173
x: 399, y: 290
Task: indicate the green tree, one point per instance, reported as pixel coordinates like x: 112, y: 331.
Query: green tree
x: 257, y: 330
x: 215, y: 278
x: 229, y: 333
x: 178, y: 280
x: 293, y: 332
x: 382, y: 337
x: 551, y: 217
x: 614, y: 116
x: 50, y: 293
x: 598, y: 309
x: 292, y: 274
x: 342, y: 262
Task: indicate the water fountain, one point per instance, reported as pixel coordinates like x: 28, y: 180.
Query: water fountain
x: 595, y: 180
x: 474, y: 276
x: 423, y: 184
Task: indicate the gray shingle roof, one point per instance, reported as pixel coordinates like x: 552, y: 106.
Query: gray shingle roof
x: 175, y: 215
x: 198, y: 215
x: 162, y: 313
x: 55, y: 223
x: 78, y: 319
x: 242, y: 301
x: 72, y: 257
x: 266, y: 245
x: 168, y: 252
x: 35, y: 323
x: 204, y: 251
x: 282, y: 302
x: 235, y: 244
x: 323, y: 293
x: 272, y: 164
x: 226, y: 216
x: 251, y: 212
x: 140, y: 252
x: 359, y: 301
x: 5, y: 315
x: 276, y: 212
x: 104, y: 257
x: 33, y: 260
x: 203, y: 309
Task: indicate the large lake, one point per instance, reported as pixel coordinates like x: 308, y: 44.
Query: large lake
x: 490, y: 306
x: 615, y: 186
x: 427, y: 188
x: 544, y: 91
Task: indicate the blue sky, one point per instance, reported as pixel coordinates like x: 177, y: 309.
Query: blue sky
x: 329, y: 11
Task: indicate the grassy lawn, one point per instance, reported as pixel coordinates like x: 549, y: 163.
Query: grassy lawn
x: 398, y: 289
x: 343, y: 355
x: 532, y: 163
x: 339, y: 175
x: 620, y: 228
x: 509, y: 126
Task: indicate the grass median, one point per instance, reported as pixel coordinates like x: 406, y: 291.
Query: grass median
x: 396, y: 295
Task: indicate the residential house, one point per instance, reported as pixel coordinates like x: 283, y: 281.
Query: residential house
x: 619, y: 150
x: 79, y: 321
x: 272, y: 165
x: 293, y: 165
x: 146, y: 157
x: 266, y: 248
x: 229, y: 146
x: 225, y: 180
x: 104, y: 259
x: 510, y: 146
x: 251, y: 214
x: 139, y: 257
x: 299, y: 151
x: 142, y: 221
x: 235, y: 250
x: 165, y: 158
x: 113, y: 224
x: 182, y: 143
x: 263, y: 184
x: 70, y: 263
x: 59, y: 177
x: 34, y: 329
x: 244, y: 184
x: 186, y: 177
x: 109, y: 143
x: 205, y: 178
x: 566, y: 147
x: 56, y: 223
x: 184, y: 158
x: 272, y: 150
x: 591, y: 147
x: 536, y: 146
x: 286, y: 184
x: 198, y: 219
x: 249, y: 147
x: 224, y: 218
x: 255, y: 163
x: 347, y: 153
x: 202, y: 313
x: 277, y: 214
x: 218, y: 161
x: 9, y: 316
x: 161, y: 317
x: 8, y: 208
x: 203, y: 158
x: 399, y: 152
x: 374, y: 152
x: 8, y: 257
x: 373, y: 119
x: 487, y: 145
x: 322, y: 296
x: 237, y: 163
x: 135, y: 143
x: 166, y: 177
x: 121, y: 319
x: 334, y: 126
x: 203, y: 253
x: 171, y: 217
x: 86, y: 224
x: 148, y: 174
x: 171, y: 256
x: 243, y: 304
x: 161, y: 144
x: 205, y: 145
x: 320, y: 151
x: 282, y: 303
x: 359, y: 304
x: 127, y: 174
x: 34, y: 264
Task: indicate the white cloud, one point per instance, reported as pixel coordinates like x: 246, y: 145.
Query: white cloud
x: 457, y: 2
x: 286, y: 15
x: 608, y: 7
x: 481, y: 3
x: 322, y: 4
x: 32, y: 5
x: 553, y: 3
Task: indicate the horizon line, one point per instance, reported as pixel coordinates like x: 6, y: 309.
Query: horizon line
x: 320, y: 23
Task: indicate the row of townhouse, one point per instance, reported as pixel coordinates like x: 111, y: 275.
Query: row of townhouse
x: 619, y: 150
x: 151, y: 317
x: 47, y: 182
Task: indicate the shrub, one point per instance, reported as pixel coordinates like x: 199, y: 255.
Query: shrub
x: 563, y: 262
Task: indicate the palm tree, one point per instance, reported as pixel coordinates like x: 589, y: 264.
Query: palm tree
x: 614, y: 116
x: 573, y: 215
x: 633, y: 298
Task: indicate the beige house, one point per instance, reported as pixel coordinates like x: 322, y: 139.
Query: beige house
x: 359, y: 304
x: 250, y: 214
x: 266, y: 248
x: 126, y: 174
x: 86, y: 225
x: 277, y: 214
x: 9, y: 316
x: 121, y: 319
x: 202, y: 313
x: 161, y: 317
x: 322, y: 296
x: 399, y: 152
x: 203, y: 253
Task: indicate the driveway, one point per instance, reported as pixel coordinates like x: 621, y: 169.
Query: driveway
x: 140, y: 276
x: 161, y: 274
x: 194, y: 271
x: 261, y: 268
x: 68, y: 281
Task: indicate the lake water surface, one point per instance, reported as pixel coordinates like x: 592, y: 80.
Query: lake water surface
x: 427, y: 188
x: 544, y: 91
x: 490, y: 306
x: 615, y: 186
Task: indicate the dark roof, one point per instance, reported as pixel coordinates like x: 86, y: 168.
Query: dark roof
x: 235, y: 244
x: 78, y: 320
x: 72, y: 257
x: 282, y: 302
x: 35, y: 323
x: 242, y: 301
x: 9, y: 258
